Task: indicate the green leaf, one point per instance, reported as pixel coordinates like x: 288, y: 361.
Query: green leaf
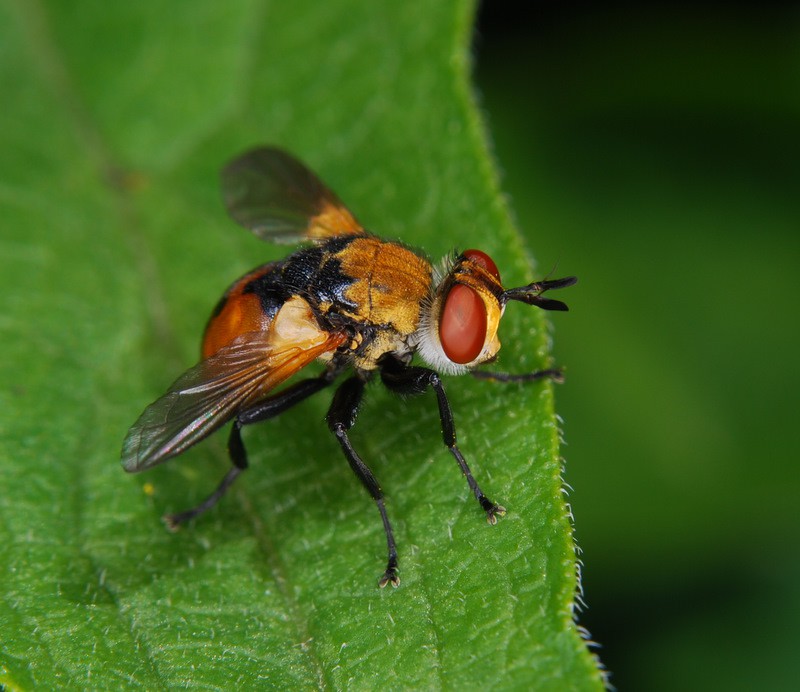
x: 115, y: 246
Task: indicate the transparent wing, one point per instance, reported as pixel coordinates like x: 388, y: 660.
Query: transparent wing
x: 281, y: 200
x: 210, y: 394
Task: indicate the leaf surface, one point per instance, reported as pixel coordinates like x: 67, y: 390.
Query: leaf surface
x: 114, y: 249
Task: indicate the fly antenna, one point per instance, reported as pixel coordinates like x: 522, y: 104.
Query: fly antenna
x: 532, y: 293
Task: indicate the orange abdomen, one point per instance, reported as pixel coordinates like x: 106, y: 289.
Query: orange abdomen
x: 239, y: 311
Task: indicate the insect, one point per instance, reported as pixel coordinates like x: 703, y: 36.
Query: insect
x: 353, y: 301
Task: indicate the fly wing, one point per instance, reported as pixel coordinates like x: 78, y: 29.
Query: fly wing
x: 210, y: 394
x: 281, y: 200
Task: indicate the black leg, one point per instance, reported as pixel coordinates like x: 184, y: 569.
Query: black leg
x: 405, y: 379
x: 275, y: 405
x: 268, y: 408
x: 341, y: 417
x: 554, y: 374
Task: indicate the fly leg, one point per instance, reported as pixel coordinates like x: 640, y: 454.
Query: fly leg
x: 263, y: 410
x: 341, y: 417
x: 554, y: 374
x: 409, y: 380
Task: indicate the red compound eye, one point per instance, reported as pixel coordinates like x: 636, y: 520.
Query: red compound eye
x: 483, y: 260
x: 462, y: 327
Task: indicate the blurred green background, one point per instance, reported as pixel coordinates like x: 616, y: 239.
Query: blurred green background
x: 654, y: 151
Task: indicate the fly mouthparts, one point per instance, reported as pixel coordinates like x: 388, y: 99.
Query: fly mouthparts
x: 532, y: 293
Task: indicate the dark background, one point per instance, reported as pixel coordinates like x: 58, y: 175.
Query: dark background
x: 654, y: 151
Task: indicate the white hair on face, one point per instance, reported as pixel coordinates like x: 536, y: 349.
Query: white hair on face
x: 427, y: 340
